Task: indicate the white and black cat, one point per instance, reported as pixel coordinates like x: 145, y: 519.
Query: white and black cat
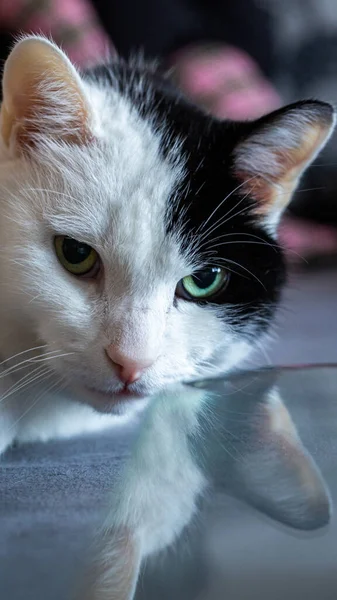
x: 138, y: 251
x: 138, y: 237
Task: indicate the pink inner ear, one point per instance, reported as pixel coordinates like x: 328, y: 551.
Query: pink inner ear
x: 48, y: 116
x: 254, y: 186
x: 43, y: 96
x: 267, y: 194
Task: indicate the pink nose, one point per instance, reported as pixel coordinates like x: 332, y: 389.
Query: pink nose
x: 129, y: 369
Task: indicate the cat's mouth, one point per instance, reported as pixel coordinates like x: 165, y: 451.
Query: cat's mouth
x: 107, y: 401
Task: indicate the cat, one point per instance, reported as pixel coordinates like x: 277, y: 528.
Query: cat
x: 138, y: 237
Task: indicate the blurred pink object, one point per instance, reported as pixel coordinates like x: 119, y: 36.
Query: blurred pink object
x: 226, y: 81
x: 303, y: 239
x: 73, y: 24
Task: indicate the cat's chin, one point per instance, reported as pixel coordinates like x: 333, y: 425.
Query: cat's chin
x: 111, y: 402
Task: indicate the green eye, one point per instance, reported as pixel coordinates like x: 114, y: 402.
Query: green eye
x: 78, y: 258
x: 202, y: 284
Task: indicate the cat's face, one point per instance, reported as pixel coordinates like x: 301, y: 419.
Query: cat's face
x: 140, y: 233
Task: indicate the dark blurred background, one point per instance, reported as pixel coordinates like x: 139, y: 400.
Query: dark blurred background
x: 293, y: 44
x: 237, y: 58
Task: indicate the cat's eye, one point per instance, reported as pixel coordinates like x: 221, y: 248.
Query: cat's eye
x: 76, y: 257
x: 203, y: 284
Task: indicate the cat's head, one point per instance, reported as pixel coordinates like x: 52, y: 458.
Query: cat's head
x: 138, y: 233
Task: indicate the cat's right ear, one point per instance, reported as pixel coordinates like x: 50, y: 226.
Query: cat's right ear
x: 43, y: 97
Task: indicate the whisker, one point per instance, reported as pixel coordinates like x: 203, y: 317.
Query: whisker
x: 44, y: 359
x: 274, y: 246
x: 16, y: 389
x: 224, y: 219
x: 329, y: 164
x: 203, y: 225
x: 23, y: 378
x: 227, y: 219
x: 40, y: 396
x: 18, y: 367
x: 28, y: 361
x: 236, y: 205
x: 220, y: 260
x: 238, y: 458
x: 260, y: 348
x: 245, y: 269
x: 251, y: 235
x: 23, y: 352
x: 312, y: 189
x: 236, y: 242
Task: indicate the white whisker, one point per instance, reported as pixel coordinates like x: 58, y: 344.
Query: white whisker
x: 44, y: 359
x: 27, y: 383
x: 245, y: 269
x: 220, y: 221
x: 237, y: 242
x: 32, y: 360
x: 203, y: 225
x: 251, y: 235
x: 225, y: 218
x: 23, y: 378
x: 23, y: 352
x: 40, y: 396
x: 220, y: 262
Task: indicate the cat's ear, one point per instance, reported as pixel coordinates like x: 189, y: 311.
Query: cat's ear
x: 275, y: 151
x: 43, y: 97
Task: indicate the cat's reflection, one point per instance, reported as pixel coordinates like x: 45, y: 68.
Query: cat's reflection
x: 238, y: 439
x: 252, y: 450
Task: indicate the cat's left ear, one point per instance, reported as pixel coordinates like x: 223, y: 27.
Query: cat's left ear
x: 43, y: 97
x: 275, y: 151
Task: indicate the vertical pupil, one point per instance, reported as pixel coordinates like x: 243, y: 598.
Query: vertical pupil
x: 204, y: 279
x: 75, y: 252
